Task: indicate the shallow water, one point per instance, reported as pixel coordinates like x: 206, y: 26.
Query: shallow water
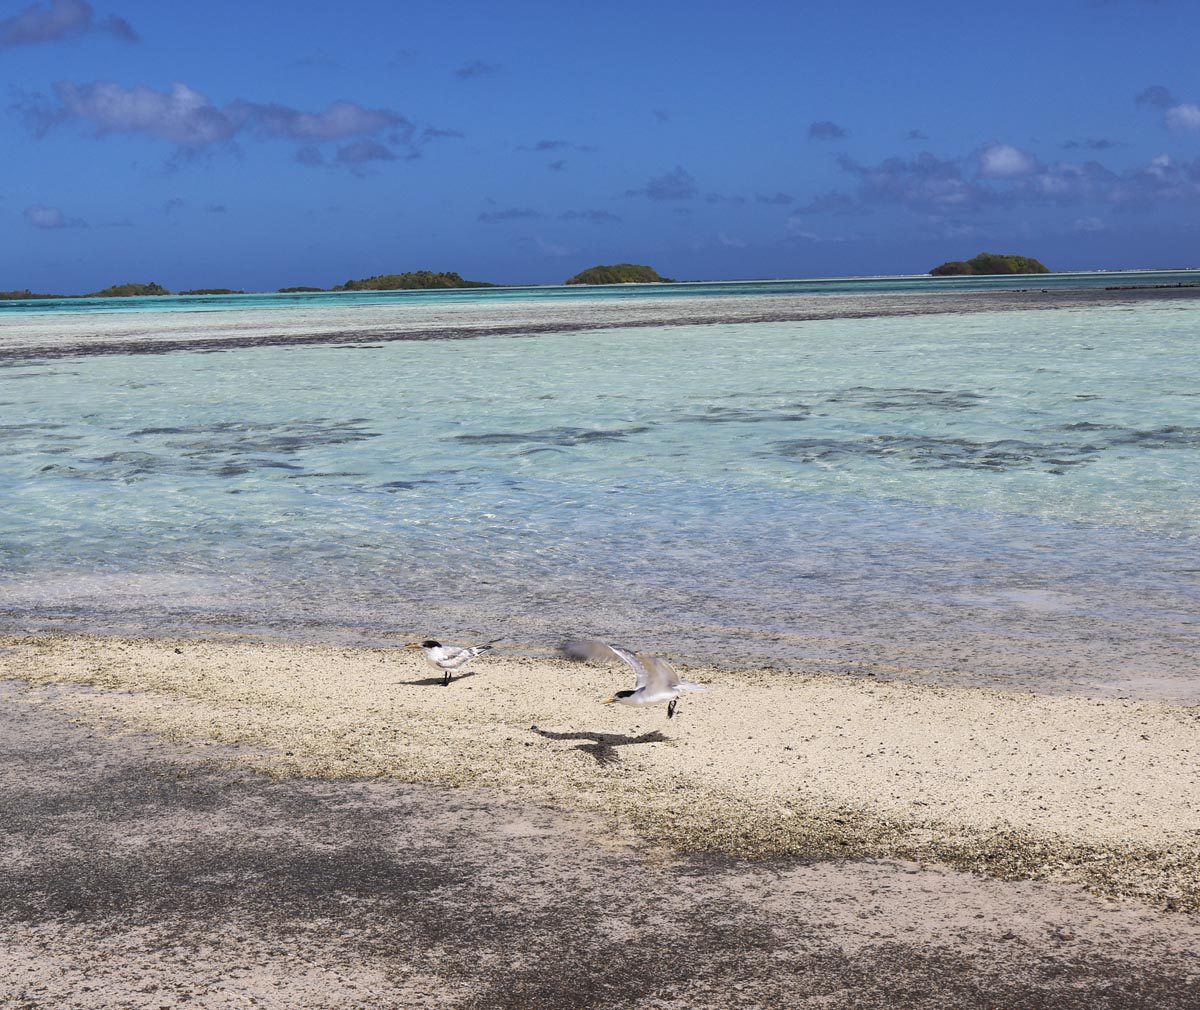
x: 544, y: 294
x: 1006, y: 497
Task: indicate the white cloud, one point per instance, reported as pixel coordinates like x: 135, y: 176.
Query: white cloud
x: 1003, y: 161
x: 341, y: 120
x: 54, y: 20
x: 1184, y: 117
x: 184, y: 116
x: 181, y: 115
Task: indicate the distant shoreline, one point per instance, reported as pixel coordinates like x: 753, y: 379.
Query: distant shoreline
x: 566, y: 317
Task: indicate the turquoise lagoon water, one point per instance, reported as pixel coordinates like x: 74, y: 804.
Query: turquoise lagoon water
x: 1007, y: 498
x: 905, y: 284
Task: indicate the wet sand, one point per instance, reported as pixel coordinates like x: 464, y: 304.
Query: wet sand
x: 140, y: 873
x: 68, y: 335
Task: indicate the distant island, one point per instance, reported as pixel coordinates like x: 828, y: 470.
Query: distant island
x: 130, y: 291
x: 116, y: 291
x: 620, y: 273
x: 990, y: 263
x: 415, y: 280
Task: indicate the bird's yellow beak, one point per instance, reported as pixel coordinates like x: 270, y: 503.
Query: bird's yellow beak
x: 413, y: 645
x: 609, y: 701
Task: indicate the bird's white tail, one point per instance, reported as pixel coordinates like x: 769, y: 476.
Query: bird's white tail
x: 687, y: 685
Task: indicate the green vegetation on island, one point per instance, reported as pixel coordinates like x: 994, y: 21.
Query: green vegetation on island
x: 116, y: 291
x: 212, y: 291
x: 990, y: 263
x: 620, y: 273
x: 297, y: 290
x: 130, y: 291
x: 414, y: 280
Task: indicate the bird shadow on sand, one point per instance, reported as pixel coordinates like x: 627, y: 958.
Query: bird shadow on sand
x: 439, y: 680
x: 603, y: 746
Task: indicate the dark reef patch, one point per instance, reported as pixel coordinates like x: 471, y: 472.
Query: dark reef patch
x: 564, y: 436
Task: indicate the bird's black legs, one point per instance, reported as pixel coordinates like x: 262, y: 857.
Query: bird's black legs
x: 671, y: 707
x: 446, y: 679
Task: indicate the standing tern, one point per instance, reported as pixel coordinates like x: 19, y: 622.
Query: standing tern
x: 656, y: 681
x: 449, y: 658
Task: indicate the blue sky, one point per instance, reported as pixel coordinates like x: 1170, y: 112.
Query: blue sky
x: 254, y: 145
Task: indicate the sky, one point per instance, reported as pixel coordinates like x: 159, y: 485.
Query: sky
x: 254, y: 145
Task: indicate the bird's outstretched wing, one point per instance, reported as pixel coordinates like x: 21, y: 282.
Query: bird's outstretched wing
x: 662, y: 675
x: 640, y: 672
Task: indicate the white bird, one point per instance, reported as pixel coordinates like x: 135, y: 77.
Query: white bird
x: 656, y: 681
x: 449, y: 658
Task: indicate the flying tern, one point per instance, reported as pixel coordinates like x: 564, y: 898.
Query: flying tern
x: 656, y: 681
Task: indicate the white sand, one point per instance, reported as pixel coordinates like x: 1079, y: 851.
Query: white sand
x: 1102, y: 791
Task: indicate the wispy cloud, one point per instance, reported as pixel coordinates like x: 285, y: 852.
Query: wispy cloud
x: 1154, y: 97
x: 952, y: 189
x: 340, y: 121
x: 323, y: 63
x: 923, y: 183
x: 361, y: 152
x: 915, y: 135
x: 1177, y: 115
x: 55, y: 20
x: 780, y: 199
x: 592, y: 216
x: 800, y: 230
x: 509, y: 214
x: 1091, y: 144
x: 187, y: 118
x: 51, y: 218
x: 476, y: 69
x: 826, y: 130
x: 676, y: 184
x: 558, y: 165
x: 547, y: 146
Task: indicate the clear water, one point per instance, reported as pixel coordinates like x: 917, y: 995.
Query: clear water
x: 1004, y: 498
x: 543, y: 294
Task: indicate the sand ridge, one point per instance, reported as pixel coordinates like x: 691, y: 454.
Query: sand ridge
x: 1014, y: 785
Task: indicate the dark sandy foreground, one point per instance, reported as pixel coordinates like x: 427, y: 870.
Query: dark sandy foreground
x: 140, y: 873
